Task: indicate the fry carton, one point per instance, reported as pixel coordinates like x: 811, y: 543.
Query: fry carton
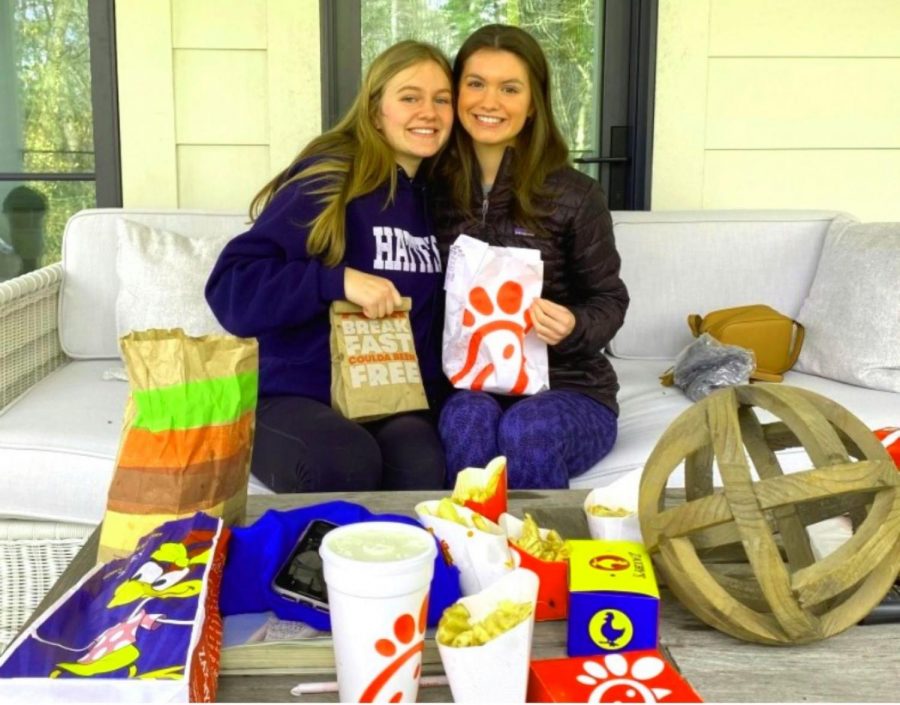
x: 486, y: 660
x: 483, y: 489
x: 612, y: 511
x: 633, y: 677
x: 475, y: 545
x: 613, y: 598
x: 553, y: 592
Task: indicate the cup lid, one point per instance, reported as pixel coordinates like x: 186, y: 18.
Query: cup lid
x: 412, y: 544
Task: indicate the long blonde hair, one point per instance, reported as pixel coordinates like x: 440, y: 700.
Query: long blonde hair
x: 353, y: 158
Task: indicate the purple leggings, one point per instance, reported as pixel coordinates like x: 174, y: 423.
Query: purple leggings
x: 546, y: 439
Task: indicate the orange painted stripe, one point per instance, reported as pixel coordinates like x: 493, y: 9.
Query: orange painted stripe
x: 180, y: 448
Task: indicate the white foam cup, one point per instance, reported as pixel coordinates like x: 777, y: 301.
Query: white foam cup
x: 378, y: 575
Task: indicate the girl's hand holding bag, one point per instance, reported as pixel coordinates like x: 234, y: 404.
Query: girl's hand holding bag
x: 374, y: 365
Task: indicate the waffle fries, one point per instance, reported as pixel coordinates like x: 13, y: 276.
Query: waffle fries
x: 598, y: 510
x: 456, y: 629
x: 446, y: 509
x: 549, y: 548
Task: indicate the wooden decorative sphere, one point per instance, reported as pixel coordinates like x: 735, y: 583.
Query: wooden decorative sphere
x: 739, y: 556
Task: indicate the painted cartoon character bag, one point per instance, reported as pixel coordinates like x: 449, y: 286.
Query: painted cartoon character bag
x: 489, y: 340
x: 145, y: 628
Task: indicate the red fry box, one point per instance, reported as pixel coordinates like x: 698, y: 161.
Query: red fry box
x: 476, y: 481
x: 553, y: 592
x: 632, y: 677
x: 890, y: 439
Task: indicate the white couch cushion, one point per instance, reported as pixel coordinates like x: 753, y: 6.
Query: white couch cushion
x: 647, y: 408
x: 852, y: 313
x: 162, y: 275
x: 58, y: 445
x: 677, y: 263
x: 87, y: 301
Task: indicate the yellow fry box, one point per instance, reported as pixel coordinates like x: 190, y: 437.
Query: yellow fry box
x: 613, y: 598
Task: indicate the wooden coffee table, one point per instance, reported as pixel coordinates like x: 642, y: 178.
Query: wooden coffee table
x: 862, y: 664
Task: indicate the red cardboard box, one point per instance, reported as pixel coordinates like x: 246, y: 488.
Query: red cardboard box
x: 553, y: 593
x: 631, y: 677
x: 890, y: 439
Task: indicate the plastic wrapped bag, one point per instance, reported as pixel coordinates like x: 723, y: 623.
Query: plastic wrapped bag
x: 489, y: 341
x: 707, y: 365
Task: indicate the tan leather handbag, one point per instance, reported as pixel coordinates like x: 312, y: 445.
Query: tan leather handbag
x: 774, y: 338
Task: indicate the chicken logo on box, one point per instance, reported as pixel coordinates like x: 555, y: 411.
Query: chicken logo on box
x: 613, y: 598
x: 634, y: 677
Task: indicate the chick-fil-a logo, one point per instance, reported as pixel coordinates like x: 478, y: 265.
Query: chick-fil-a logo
x: 610, y: 562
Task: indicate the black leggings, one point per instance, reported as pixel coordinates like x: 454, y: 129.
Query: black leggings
x: 302, y: 445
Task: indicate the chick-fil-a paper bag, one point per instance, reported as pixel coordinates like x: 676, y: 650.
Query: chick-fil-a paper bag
x: 489, y: 339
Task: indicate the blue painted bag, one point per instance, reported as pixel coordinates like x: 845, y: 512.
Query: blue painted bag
x: 138, y: 629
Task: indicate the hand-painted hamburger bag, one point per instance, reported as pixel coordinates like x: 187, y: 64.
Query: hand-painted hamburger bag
x: 187, y: 435
x: 374, y: 365
x: 145, y: 628
x: 489, y: 340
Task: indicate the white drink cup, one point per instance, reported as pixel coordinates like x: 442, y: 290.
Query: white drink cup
x: 378, y: 575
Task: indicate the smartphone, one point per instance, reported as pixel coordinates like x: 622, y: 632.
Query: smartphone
x: 300, y: 577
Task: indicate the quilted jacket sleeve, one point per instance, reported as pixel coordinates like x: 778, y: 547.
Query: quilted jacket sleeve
x: 594, y: 276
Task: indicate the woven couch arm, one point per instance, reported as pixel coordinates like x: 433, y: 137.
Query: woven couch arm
x: 29, y: 339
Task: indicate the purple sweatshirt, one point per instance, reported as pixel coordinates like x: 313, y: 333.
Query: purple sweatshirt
x: 265, y: 284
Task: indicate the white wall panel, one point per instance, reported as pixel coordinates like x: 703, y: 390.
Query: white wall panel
x: 803, y: 103
x: 862, y: 182
x: 218, y: 24
x: 221, y: 97
x: 146, y: 103
x: 804, y: 27
x: 220, y: 177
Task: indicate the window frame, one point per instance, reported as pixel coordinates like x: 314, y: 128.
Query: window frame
x: 629, y: 77
x: 107, y: 174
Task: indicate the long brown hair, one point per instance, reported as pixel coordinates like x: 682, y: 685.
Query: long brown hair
x: 352, y: 158
x: 540, y: 148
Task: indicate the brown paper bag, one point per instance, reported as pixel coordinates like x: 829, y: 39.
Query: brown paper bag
x: 374, y: 365
x: 187, y: 436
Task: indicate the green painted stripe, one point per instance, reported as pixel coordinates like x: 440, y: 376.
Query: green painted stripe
x: 208, y: 402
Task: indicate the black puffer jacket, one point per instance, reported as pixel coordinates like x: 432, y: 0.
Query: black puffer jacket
x: 581, y: 267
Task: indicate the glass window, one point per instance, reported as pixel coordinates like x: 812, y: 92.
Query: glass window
x: 34, y: 217
x: 46, y: 136
x: 568, y: 30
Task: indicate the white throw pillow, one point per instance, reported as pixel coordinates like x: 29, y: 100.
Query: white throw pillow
x: 161, y: 279
x: 852, y: 313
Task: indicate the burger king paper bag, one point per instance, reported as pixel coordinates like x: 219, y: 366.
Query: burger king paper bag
x: 489, y: 339
x: 374, y: 365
